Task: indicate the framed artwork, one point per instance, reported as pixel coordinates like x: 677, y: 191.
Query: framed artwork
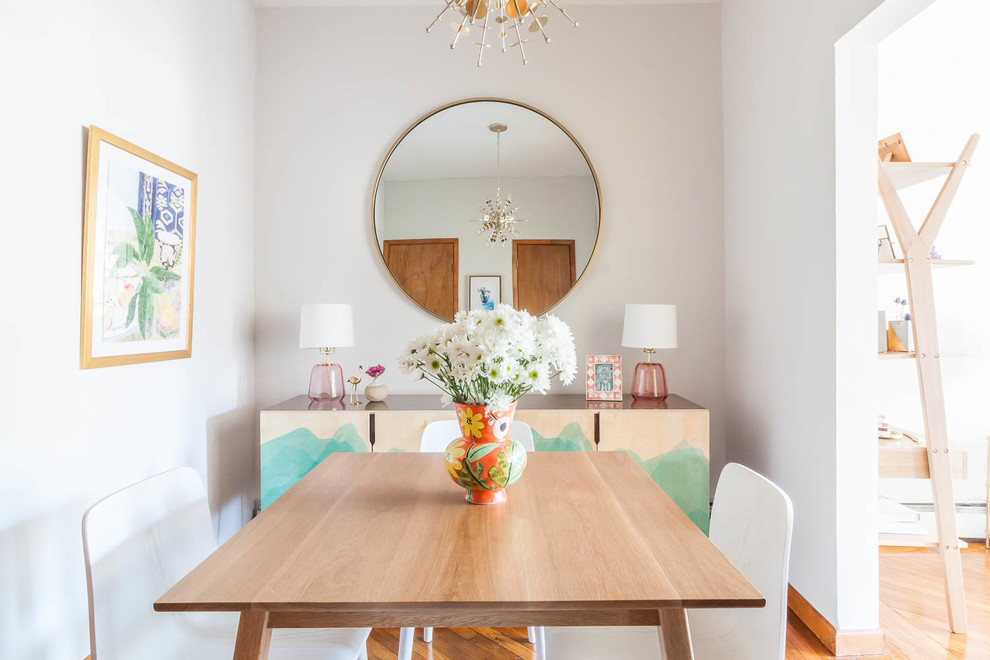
x: 138, y: 248
x: 603, y: 378
x: 486, y: 291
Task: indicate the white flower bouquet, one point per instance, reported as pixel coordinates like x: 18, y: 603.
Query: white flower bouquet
x: 493, y: 357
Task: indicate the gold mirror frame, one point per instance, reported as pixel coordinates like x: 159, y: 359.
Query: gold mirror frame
x: 483, y: 99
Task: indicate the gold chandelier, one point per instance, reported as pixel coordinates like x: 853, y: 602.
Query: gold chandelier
x: 509, y: 15
x: 498, y: 216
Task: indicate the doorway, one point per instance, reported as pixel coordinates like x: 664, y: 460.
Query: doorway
x: 427, y: 269
x: 543, y: 271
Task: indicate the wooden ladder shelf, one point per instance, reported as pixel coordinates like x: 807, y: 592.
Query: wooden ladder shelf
x: 917, y: 246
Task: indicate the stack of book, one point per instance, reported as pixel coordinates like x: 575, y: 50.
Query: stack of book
x: 895, y: 518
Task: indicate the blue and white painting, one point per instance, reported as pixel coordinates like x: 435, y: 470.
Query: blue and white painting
x: 142, y: 227
x: 486, y: 291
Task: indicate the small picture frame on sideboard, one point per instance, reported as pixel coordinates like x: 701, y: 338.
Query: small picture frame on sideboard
x: 603, y: 378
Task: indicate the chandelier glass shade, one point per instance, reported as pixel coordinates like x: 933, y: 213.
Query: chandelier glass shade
x: 506, y: 18
x: 498, y: 216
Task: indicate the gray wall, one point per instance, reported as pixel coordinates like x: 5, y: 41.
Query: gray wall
x: 178, y: 81
x: 331, y: 100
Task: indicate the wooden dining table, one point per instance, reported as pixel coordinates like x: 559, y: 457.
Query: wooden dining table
x: 387, y: 540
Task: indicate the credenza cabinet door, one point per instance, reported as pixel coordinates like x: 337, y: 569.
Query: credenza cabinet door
x: 672, y: 446
x: 294, y: 442
x: 560, y: 430
x: 402, y: 431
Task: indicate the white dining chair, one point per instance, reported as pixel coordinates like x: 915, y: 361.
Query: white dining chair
x: 751, y: 524
x: 436, y: 436
x: 140, y: 541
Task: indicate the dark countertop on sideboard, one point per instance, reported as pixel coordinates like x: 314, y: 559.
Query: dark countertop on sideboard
x: 431, y: 402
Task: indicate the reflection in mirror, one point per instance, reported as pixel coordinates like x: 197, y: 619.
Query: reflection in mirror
x: 487, y: 194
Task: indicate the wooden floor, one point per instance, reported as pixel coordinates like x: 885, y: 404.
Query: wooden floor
x: 912, y: 614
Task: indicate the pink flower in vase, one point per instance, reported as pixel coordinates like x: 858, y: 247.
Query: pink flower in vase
x: 375, y: 372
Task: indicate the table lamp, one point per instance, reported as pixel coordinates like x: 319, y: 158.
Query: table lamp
x: 326, y: 327
x: 649, y: 327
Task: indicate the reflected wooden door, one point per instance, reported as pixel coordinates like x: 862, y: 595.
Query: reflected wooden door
x: 542, y: 273
x: 427, y: 269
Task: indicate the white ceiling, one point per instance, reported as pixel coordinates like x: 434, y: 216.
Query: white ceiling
x: 456, y: 143
x: 424, y: 3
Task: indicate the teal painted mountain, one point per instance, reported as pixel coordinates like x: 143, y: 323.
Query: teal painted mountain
x: 570, y: 439
x: 682, y: 472
x: 288, y: 458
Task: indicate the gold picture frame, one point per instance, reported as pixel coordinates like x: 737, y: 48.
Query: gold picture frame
x: 139, y: 230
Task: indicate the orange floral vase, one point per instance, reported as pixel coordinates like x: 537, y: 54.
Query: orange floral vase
x: 485, y: 460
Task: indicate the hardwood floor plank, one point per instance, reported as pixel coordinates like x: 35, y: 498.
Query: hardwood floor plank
x: 521, y: 650
x: 454, y: 644
x: 902, y: 633
x: 921, y: 602
x: 801, y: 642
x: 379, y: 651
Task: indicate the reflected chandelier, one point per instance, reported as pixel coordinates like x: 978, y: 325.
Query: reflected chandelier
x: 509, y: 15
x: 498, y: 216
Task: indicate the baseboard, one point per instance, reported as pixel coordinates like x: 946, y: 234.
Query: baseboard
x: 840, y: 643
x: 858, y: 643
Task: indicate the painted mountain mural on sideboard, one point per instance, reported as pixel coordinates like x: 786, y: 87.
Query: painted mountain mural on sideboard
x: 288, y: 458
x: 570, y: 438
x: 682, y: 473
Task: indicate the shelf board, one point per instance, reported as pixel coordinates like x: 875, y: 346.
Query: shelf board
x: 897, y: 265
x: 897, y: 355
x: 903, y: 458
x: 905, y: 175
x: 914, y: 541
x: 910, y: 355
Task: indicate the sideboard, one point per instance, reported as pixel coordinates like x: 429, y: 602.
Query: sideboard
x: 669, y: 438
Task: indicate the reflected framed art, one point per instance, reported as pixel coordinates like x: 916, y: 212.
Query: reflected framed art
x: 485, y: 291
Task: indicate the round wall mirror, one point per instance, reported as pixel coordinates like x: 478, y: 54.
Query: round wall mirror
x: 486, y: 201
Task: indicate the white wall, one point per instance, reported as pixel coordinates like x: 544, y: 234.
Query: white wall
x: 552, y: 207
x: 935, y: 91
x: 331, y: 99
x: 179, y: 81
x: 794, y: 393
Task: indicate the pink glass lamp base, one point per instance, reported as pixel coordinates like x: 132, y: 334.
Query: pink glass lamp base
x: 326, y: 381
x: 649, y: 381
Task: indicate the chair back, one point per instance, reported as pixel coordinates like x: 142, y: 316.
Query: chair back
x: 751, y: 524
x: 522, y: 433
x: 137, y: 543
x: 437, y: 435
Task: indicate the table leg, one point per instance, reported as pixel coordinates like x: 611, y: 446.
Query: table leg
x: 253, y: 636
x: 675, y: 639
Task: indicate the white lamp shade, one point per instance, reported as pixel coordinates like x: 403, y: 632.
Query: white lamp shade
x: 326, y: 326
x: 650, y: 326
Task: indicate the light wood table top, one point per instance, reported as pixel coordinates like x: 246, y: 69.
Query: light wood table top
x: 584, y: 538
